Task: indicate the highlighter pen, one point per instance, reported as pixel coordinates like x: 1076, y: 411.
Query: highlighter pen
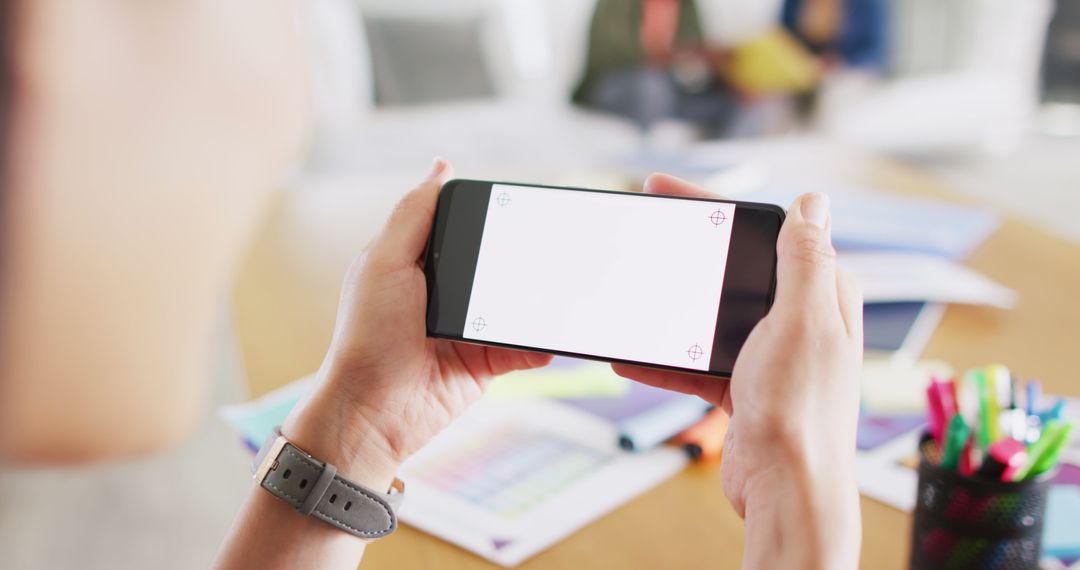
x: 1014, y: 393
x: 705, y: 439
x: 956, y: 436
x: 1002, y: 383
x: 1013, y: 423
x: 935, y: 415
x: 655, y: 426
x: 1043, y: 455
x: 1034, y: 391
x: 941, y: 406
x: 967, y: 399
x: 969, y: 456
x: 947, y: 396
x: 1034, y: 429
x: 1031, y: 405
x: 1005, y: 459
x: 994, y: 393
x: 1014, y: 420
x: 988, y: 411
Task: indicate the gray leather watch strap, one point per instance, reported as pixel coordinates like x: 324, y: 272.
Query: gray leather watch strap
x: 314, y: 488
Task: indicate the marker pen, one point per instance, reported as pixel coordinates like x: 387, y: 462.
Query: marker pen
x: 655, y: 426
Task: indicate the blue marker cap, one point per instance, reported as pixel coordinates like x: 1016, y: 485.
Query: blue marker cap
x: 1054, y: 413
x: 1034, y: 390
x: 652, y: 427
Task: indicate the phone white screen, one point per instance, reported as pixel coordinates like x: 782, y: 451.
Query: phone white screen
x: 608, y: 275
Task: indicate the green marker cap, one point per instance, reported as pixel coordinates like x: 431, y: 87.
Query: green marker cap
x: 1043, y: 454
x: 956, y: 435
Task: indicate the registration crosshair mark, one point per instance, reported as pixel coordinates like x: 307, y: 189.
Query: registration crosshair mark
x: 479, y: 324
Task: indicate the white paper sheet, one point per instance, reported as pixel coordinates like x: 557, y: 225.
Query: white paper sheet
x: 888, y: 277
x: 897, y: 386
x: 882, y: 476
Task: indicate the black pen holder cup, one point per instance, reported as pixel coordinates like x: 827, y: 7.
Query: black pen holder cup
x: 970, y: 522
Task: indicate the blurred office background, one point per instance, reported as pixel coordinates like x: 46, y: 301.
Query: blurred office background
x: 982, y: 94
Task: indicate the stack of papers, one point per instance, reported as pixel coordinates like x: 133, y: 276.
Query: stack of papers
x: 892, y: 277
x: 864, y: 219
x: 906, y: 254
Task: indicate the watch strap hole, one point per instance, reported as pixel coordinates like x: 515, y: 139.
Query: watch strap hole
x: 318, y: 490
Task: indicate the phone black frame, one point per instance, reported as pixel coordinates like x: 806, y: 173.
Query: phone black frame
x: 468, y: 201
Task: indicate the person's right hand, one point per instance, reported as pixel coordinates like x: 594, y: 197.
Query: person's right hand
x: 793, y: 398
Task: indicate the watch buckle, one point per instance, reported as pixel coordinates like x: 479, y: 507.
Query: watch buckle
x: 270, y: 461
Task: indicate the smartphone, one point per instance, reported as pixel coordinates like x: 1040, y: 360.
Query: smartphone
x: 668, y: 282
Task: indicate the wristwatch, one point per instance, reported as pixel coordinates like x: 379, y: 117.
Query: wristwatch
x: 315, y: 489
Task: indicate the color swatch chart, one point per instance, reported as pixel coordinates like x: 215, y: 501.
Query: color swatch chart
x: 507, y: 471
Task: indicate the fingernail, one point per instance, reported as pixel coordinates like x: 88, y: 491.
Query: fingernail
x: 437, y: 167
x: 815, y: 209
x: 649, y: 181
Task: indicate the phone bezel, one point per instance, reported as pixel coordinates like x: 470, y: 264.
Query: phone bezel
x: 437, y: 236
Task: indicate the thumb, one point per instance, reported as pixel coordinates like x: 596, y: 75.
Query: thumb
x: 405, y: 235
x: 806, y: 260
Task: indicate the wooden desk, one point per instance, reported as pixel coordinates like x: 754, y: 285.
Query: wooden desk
x: 284, y: 306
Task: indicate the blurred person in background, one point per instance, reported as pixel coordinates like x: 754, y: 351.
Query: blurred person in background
x: 848, y: 33
x: 847, y: 39
x: 727, y: 68
x: 648, y: 61
x: 141, y: 139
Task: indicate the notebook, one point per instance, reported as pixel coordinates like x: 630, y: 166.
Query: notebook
x: 899, y: 329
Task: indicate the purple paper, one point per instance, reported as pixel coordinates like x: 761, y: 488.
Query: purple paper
x: 636, y: 400
x: 879, y: 429
x: 1068, y: 474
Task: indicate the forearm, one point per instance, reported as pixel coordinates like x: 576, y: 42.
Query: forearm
x: 793, y: 521
x: 270, y: 534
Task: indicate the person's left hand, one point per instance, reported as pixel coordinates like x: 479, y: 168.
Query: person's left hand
x: 385, y: 389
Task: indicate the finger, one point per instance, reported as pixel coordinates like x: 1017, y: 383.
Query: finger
x: 665, y: 184
x: 850, y: 297
x: 711, y: 389
x: 806, y: 264
x: 503, y: 360
x: 405, y: 235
